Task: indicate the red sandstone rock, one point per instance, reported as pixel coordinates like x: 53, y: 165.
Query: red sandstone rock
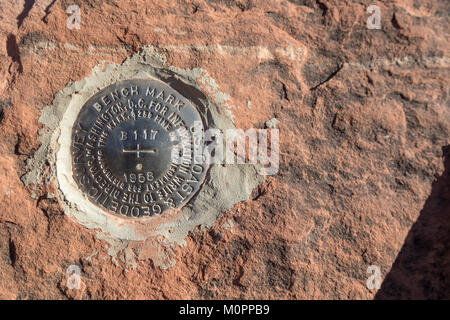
x: 364, y: 133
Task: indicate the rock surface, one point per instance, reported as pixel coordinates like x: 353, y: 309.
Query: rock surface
x: 364, y: 125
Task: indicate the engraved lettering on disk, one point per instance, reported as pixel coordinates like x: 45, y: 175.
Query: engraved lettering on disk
x: 122, y: 142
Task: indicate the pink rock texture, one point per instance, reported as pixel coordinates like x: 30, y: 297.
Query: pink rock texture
x: 364, y: 148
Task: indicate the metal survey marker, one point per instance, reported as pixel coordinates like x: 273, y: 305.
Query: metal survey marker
x: 133, y: 148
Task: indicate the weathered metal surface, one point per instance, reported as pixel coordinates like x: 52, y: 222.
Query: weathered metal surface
x: 123, y: 145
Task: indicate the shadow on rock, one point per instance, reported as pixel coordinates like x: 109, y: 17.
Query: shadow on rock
x: 422, y: 268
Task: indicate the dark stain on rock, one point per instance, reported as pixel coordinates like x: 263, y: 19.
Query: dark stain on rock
x: 26, y: 9
x: 13, y: 51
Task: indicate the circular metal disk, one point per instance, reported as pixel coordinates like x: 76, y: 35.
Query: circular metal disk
x: 133, y: 148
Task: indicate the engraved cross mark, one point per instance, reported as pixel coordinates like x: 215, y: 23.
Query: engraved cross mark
x: 138, y: 150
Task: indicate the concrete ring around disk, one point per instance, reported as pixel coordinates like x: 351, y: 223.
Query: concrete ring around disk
x: 223, y: 186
